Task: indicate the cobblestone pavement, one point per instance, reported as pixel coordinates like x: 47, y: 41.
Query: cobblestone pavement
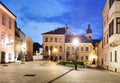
x: 50, y: 72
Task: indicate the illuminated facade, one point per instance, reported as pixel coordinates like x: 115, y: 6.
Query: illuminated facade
x: 20, y: 44
x: 7, y: 34
x: 111, y: 35
x: 57, y: 44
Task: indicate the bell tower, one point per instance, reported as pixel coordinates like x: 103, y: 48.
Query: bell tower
x: 89, y: 32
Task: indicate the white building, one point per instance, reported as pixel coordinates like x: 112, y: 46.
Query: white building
x: 111, y: 35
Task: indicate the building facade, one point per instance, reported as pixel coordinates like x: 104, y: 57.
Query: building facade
x: 20, y: 45
x: 28, y: 49
x: 111, y: 35
x: 7, y: 34
x: 100, y: 54
x: 57, y: 44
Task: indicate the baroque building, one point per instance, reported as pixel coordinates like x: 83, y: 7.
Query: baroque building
x: 58, y: 44
x: 111, y: 35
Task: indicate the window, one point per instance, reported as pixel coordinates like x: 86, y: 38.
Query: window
x: 86, y: 57
x: 115, y: 56
x: 51, y: 48
x: 111, y: 3
x: 68, y: 48
x: 60, y: 39
x: 9, y: 39
x: 60, y: 48
x: 56, y: 39
x: 3, y: 37
x: 77, y: 48
x: 111, y: 28
x: 81, y: 57
x: 86, y: 48
x: 51, y: 39
x: 10, y: 25
x: 118, y: 25
x: 46, y: 39
x: 82, y: 49
x: 110, y: 56
x: 3, y: 20
x: 46, y: 48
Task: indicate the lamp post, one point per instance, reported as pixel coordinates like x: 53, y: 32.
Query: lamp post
x: 75, y: 42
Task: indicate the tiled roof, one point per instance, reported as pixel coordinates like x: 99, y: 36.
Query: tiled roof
x: 57, y: 31
x: 81, y: 38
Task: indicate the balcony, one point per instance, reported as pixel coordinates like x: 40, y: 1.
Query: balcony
x: 114, y: 40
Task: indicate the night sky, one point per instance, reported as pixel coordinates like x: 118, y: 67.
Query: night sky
x: 38, y: 16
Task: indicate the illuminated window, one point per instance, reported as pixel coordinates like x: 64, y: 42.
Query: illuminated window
x: 3, y: 20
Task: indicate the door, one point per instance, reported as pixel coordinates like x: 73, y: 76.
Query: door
x: 3, y: 57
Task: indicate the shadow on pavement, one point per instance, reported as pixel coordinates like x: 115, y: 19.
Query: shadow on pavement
x: 60, y: 76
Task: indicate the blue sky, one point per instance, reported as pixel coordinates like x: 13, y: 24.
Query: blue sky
x: 38, y: 16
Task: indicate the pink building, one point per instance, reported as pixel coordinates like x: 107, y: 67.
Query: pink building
x: 7, y: 34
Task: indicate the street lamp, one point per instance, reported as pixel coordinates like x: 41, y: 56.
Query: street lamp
x: 75, y: 42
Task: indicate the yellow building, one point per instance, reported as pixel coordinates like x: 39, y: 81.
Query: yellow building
x: 111, y: 35
x: 58, y: 44
x: 100, y: 54
x: 20, y: 45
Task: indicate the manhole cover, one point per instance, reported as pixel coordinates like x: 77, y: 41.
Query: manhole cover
x: 30, y: 75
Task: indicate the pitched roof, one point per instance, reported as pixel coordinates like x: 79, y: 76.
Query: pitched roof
x: 57, y: 31
x: 81, y: 38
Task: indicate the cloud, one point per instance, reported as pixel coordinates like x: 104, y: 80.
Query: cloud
x: 35, y: 29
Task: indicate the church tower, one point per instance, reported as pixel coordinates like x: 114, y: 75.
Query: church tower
x: 89, y: 32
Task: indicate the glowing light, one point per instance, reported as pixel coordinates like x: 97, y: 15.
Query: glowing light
x: 75, y: 42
